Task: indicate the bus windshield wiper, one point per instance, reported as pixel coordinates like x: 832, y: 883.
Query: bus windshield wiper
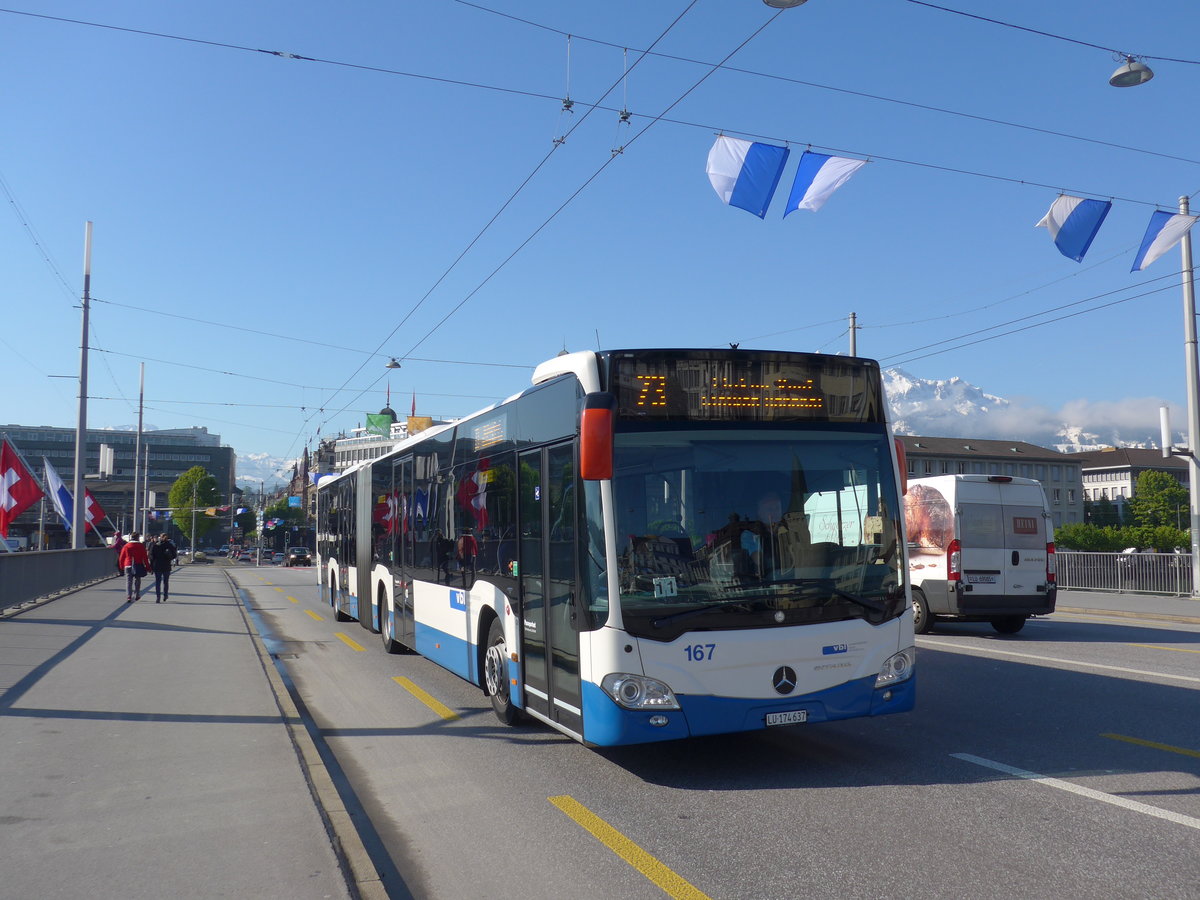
x: 816, y: 586
x: 695, y: 611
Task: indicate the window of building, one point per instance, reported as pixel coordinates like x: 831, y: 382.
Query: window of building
x: 1056, y: 473
x: 1058, y: 495
x: 1070, y: 495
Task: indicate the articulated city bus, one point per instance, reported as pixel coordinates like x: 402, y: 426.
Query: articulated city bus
x: 644, y: 545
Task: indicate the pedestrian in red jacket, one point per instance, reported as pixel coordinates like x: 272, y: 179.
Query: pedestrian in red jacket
x: 134, y: 562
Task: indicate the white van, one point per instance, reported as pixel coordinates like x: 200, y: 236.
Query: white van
x: 980, y: 549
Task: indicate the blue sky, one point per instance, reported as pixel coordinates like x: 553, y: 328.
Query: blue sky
x: 280, y: 218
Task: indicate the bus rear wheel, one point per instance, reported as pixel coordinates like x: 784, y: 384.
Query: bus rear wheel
x: 495, y: 675
x: 387, y: 625
x: 1008, y: 624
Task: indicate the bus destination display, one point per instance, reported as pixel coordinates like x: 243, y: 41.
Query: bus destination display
x: 767, y: 387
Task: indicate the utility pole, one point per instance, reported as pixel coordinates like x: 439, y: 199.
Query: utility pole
x: 854, y: 334
x: 1193, y: 399
x: 137, y: 450
x: 78, y: 541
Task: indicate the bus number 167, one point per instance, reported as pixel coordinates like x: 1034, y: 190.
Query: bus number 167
x: 700, y: 652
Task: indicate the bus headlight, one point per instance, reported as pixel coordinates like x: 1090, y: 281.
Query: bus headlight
x: 638, y: 692
x: 897, y: 667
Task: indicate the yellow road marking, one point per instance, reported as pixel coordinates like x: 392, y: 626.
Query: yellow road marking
x: 293, y: 599
x: 314, y: 615
x: 1182, y: 751
x: 349, y: 641
x: 669, y: 881
x: 279, y: 589
x: 440, y: 708
x: 1157, y: 647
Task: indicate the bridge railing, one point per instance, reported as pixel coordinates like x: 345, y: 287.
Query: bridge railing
x: 1140, y: 573
x: 28, y: 576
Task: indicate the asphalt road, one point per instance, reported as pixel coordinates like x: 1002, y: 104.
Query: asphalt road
x: 1060, y: 762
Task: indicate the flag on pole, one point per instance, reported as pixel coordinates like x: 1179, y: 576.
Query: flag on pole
x: 745, y: 174
x: 1073, y: 223
x: 817, y: 177
x: 93, y: 512
x: 18, y: 488
x: 378, y: 423
x: 1164, y: 232
x: 64, y: 503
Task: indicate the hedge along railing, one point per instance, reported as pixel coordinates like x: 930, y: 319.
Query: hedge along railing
x: 28, y: 576
x: 1139, y: 573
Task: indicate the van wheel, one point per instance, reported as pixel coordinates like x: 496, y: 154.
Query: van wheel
x: 495, y: 675
x: 922, y: 621
x: 1008, y: 624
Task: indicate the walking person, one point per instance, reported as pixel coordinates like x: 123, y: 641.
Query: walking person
x: 162, y: 555
x: 117, y: 544
x: 135, y: 563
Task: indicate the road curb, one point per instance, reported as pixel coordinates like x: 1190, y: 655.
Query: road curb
x: 1127, y: 614
x: 362, y: 877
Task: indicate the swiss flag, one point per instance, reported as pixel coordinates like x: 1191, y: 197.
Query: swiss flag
x: 93, y: 512
x: 18, y: 489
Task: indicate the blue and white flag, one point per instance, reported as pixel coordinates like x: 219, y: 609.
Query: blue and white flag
x: 1073, y: 223
x: 64, y: 503
x: 745, y: 174
x: 817, y: 177
x: 1164, y: 232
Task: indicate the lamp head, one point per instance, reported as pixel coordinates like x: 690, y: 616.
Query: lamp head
x: 392, y: 364
x: 784, y: 4
x: 1131, y: 74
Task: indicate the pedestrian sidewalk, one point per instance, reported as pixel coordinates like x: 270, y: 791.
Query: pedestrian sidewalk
x: 1147, y: 606
x: 150, y: 751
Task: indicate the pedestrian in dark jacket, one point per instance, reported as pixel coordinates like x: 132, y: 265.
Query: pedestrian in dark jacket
x: 135, y: 564
x: 162, y: 555
x: 117, y: 544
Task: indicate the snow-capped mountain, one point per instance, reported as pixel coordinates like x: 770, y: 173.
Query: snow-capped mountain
x: 254, y: 469
x: 956, y: 408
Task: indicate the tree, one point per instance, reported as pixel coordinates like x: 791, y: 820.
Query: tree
x: 195, y: 488
x: 1158, y: 499
x: 1091, y: 538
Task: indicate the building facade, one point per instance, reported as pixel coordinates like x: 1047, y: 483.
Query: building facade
x: 1112, y: 474
x: 1061, y: 474
x: 168, y: 454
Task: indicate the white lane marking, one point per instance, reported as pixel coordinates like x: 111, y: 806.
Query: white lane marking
x: 1134, y: 805
x: 988, y: 651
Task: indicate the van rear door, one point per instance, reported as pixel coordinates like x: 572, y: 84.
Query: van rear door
x: 1025, y: 539
x: 981, y: 533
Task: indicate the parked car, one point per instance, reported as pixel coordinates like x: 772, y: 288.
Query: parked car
x: 298, y: 556
x: 278, y: 557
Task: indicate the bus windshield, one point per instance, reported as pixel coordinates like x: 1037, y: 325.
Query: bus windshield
x: 755, y: 528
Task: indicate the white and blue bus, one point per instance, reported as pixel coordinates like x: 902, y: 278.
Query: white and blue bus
x: 645, y: 545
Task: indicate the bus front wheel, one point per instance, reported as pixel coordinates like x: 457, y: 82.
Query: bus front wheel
x: 495, y: 674
x: 387, y: 625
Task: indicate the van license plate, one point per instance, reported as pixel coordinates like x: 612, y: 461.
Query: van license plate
x: 981, y: 579
x: 792, y: 717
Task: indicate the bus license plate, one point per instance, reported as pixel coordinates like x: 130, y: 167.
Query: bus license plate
x: 981, y: 579
x: 792, y: 717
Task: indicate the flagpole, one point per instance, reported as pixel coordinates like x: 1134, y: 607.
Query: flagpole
x: 78, y: 541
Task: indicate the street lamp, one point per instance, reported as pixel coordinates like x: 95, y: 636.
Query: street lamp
x: 1131, y: 73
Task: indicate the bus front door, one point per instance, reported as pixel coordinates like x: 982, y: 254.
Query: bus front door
x: 550, y: 646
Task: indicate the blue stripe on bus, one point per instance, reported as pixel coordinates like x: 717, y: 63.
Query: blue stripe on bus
x: 452, y: 653
x: 606, y: 724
